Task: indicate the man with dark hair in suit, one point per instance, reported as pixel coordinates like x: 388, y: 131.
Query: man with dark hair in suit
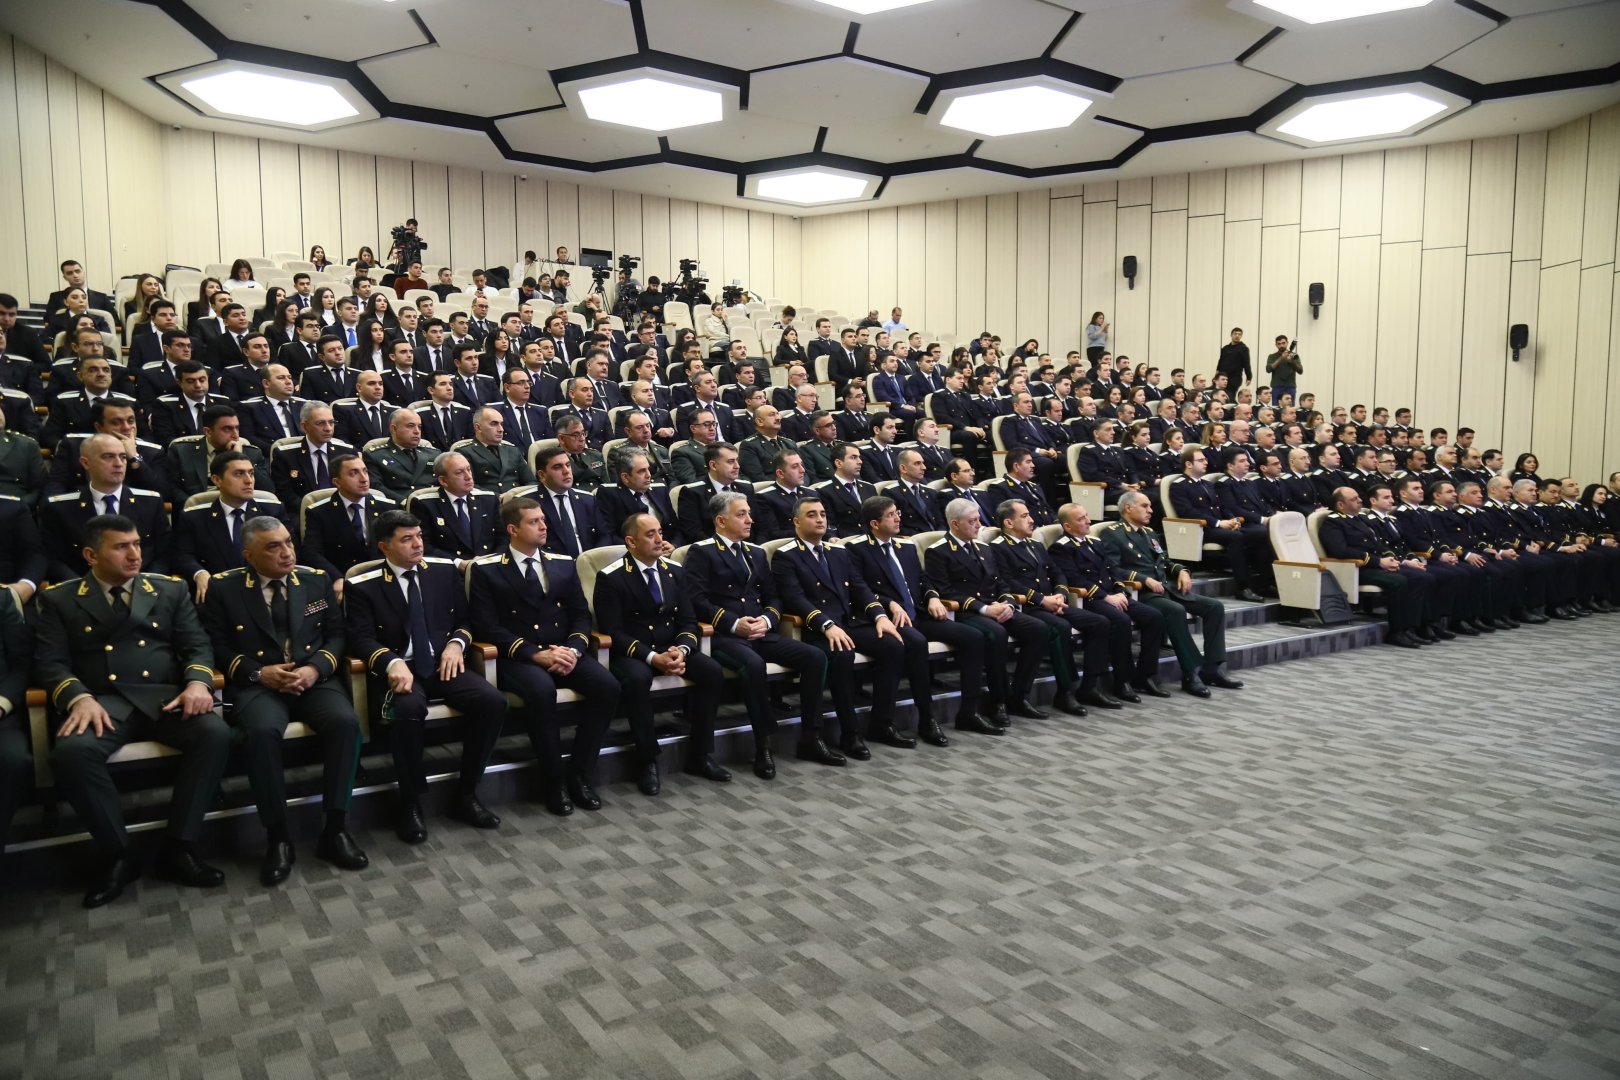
x: 720, y: 470
x: 105, y: 491
x: 365, y: 416
x: 403, y: 384
x: 459, y: 521
x: 303, y: 351
x: 473, y: 388
x: 273, y: 414
x: 190, y: 458
x: 172, y: 416
x: 226, y: 350
x: 146, y: 343
x: 208, y: 537
x: 846, y: 492
x: 336, y: 530
x: 920, y: 510
x: 635, y: 493
x: 1084, y: 564
x: 1019, y: 483
x: 145, y: 466
x: 330, y: 380
x: 445, y: 421
x: 22, y: 341
x: 572, y: 524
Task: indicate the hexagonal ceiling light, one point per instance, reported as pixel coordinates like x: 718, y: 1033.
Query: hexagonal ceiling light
x: 1014, y: 107
x: 868, y: 7
x: 1358, y: 115
x: 812, y: 186
x: 1315, y: 12
x: 650, y: 99
x: 230, y: 90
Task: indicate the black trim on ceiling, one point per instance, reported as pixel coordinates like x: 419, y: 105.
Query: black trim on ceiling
x: 1018, y: 69
x: 422, y: 26
x: 638, y: 24
x: 671, y: 62
x: 849, y: 39
x: 1061, y: 34
x: 1479, y: 8
x: 821, y: 139
x: 877, y: 192
x: 1265, y: 39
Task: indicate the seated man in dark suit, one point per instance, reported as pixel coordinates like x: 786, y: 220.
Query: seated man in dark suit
x: 208, y: 537
x: 1085, y: 565
x: 1102, y: 462
x: 635, y: 493
x: 146, y: 344
x: 459, y: 521
x: 304, y: 352
x: 1346, y: 534
x: 16, y: 762
x: 241, y: 381
x: 720, y: 468
x: 920, y: 509
x: 800, y: 417
x: 879, y: 454
x: 300, y: 468
x: 170, y: 417
x: 332, y: 379
x: 1247, y: 548
x: 365, y: 416
x: 1019, y: 483
x: 105, y: 491
x: 403, y: 384
x: 846, y: 492
x: 336, y: 530
x: 572, y: 524
x: 445, y: 421
x: 1022, y: 429
x: 146, y: 466
x: 273, y: 414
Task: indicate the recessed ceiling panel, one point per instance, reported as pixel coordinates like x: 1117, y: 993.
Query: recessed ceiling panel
x: 1086, y: 140
x: 338, y: 29
x: 1376, y: 45
x: 110, y: 42
x: 557, y: 134
x: 1219, y: 92
x: 1578, y: 39
x: 1162, y: 35
x: 437, y: 78
x: 744, y: 34
x: 830, y: 91
x: 895, y: 138
x: 747, y: 136
x: 414, y: 142
x: 954, y: 184
x: 1536, y: 113
x: 950, y: 35
x: 1215, y: 152
x: 541, y: 34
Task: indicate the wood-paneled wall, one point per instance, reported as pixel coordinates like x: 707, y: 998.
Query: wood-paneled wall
x: 83, y: 176
x: 1427, y: 253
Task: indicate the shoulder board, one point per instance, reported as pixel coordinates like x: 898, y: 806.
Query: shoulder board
x: 1002, y: 539
x: 439, y: 561
x: 152, y: 365
x: 554, y: 555
x: 380, y: 497
x: 126, y: 397
x: 153, y: 445
x: 1336, y: 514
x: 310, y: 569
x: 10, y: 498
x: 144, y: 491
x: 200, y: 507
x: 937, y: 543
x: 1432, y: 507
x: 481, y: 491
x: 59, y: 584
x: 66, y: 496
x: 235, y: 571
x: 859, y: 540
x: 1064, y: 539
x: 490, y: 560
x: 614, y: 569
x: 9, y: 392
x: 367, y: 576
x: 710, y: 542
x: 265, y: 496
x: 259, y: 400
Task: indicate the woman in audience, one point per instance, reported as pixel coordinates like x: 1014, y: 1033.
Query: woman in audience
x: 1178, y: 394
x: 1595, y: 501
x: 369, y: 355
x: 1214, y: 439
x: 1110, y: 405
x: 203, y: 307
x: 1138, y: 400
x: 242, y: 275
x: 1525, y: 469
x: 677, y: 346
x: 366, y: 259
x: 267, y: 312
x: 1170, y: 454
x: 1141, y: 461
x: 75, y: 309
x: 1141, y: 371
x: 1029, y: 350
x: 867, y: 357
x: 147, y: 289
x: 379, y: 308
x: 1096, y: 337
x: 788, y: 349
x: 323, y: 302
x: 317, y: 257
x: 283, y: 329
x: 498, y: 354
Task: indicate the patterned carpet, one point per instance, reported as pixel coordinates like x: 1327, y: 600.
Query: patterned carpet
x: 1355, y: 868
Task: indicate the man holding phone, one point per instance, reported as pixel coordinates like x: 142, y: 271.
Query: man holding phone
x: 1284, y: 368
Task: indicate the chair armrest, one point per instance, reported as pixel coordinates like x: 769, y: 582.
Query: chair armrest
x: 951, y: 605
x: 1185, y: 521
x: 603, y: 641
x: 1342, y: 562
x: 1095, y: 484
x: 705, y: 630
x: 792, y: 620
x: 1285, y: 562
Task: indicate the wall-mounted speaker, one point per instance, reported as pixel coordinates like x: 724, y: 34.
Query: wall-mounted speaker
x: 1518, y: 338
x: 1316, y: 295
x: 1128, y: 268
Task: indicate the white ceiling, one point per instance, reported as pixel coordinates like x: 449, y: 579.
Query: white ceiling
x: 1179, y: 84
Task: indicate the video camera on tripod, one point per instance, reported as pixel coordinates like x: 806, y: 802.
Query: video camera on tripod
x: 407, y: 244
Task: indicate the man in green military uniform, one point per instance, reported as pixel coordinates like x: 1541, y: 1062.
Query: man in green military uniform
x: 123, y: 657
x: 638, y: 434
x: 190, y: 455
x: 278, y: 637
x: 1167, y: 588
x: 498, y: 466
x: 22, y: 470
x: 757, y: 453
x: 404, y: 463
x: 821, y: 451
x: 686, y: 463
x: 589, y: 472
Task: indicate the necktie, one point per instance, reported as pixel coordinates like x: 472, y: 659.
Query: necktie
x: 348, y: 332
x: 236, y: 528
x: 463, y: 522
x: 900, y: 582
x: 821, y: 561
x: 522, y: 424
x: 570, y: 531
x: 433, y: 359
x: 742, y: 559
x: 111, y: 503
x: 279, y: 620
x: 532, y: 576
x: 323, y: 479
x: 313, y: 359
x: 119, y: 605
x: 287, y: 423
x: 646, y: 504
x: 652, y: 586
x: 444, y: 422
x: 376, y: 418
x: 467, y: 388
x: 416, y: 617
x: 853, y: 493
x: 238, y: 338
x: 357, y: 515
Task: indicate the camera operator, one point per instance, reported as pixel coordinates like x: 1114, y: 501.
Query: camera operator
x: 408, y: 246
x: 651, y: 299
x: 1284, y: 368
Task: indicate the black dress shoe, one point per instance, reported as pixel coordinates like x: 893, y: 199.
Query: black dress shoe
x: 1065, y: 701
x: 997, y: 714
x: 1560, y: 614
x: 709, y: 769
x: 928, y: 731
x: 1460, y: 627
x: 854, y: 746
x: 117, y: 874
x: 1249, y: 596
x: 970, y: 721
x: 1152, y: 688
x: 411, y: 828
x: 582, y: 793
x: 1484, y: 624
x: 179, y: 865
x: 467, y: 808
x: 764, y: 763
x: 648, y: 781
x: 1441, y: 631
x: 1123, y: 692
x: 1222, y: 680
x: 1099, y: 700
x: 1403, y: 639
x: 890, y: 737
x: 818, y: 751
x: 339, y: 849
x: 1192, y: 684
x: 1027, y: 709
x: 277, y: 864
x: 1421, y: 635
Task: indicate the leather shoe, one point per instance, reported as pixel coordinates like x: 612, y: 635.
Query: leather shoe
x: 1027, y: 709
x: 1123, y: 692
x: 1097, y: 699
x: 339, y: 849
x: 1422, y: 636
x: 1560, y: 614
x: 277, y: 864
x: 854, y: 746
x: 582, y: 793
x: 1152, y: 688
x: 1067, y: 702
x: 1403, y: 639
x: 972, y: 721
x: 1484, y: 624
x: 468, y: 809
x: 180, y: 866
x: 1249, y: 596
x: 818, y: 751
x: 1461, y: 628
x: 709, y: 769
x: 890, y: 737
x: 764, y: 763
x: 1192, y: 684
x: 1222, y: 680
x: 997, y: 715
x: 118, y: 873
x: 928, y: 731
x: 648, y: 782
x: 411, y: 828
x: 1440, y: 631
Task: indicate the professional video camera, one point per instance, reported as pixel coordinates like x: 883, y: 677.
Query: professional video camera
x: 408, y: 245
x: 688, y: 284
x: 733, y: 295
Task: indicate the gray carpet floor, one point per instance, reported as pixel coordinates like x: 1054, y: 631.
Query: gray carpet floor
x: 1368, y: 864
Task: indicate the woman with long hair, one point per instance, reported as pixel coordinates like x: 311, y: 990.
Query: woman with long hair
x: 369, y: 355
x: 1096, y: 337
x: 203, y: 307
x: 788, y: 349
x: 1170, y: 453
x: 364, y: 259
x: 148, y: 288
x: 242, y: 275
x: 323, y: 302
x: 284, y: 328
x: 266, y: 312
x: 317, y: 257
x: 1525, y: 469
x: 498, y: 354
x: 379, y: 308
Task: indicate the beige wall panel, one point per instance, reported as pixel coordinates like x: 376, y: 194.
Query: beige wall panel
x: 1556, y: 337
x: 1099, y: 266
x: 1170, y: 192
x: 1102, y: 191
x: 1064, y: 280
x: 1069, y: 191
x: 816, y: 260
x: 627, y: 228
x: 1281, y: 299
x: 562, y: 215
x: 1318, y: 337
x: 241, y: 229
x: 357, y: 192
x: 1319, y: 193
x: 134, y: 149
x: 1440, y: 332
x: 1445, y: 195
x: 1490, y: 195
x: 970, y: 249
x: 500, y: 221
x: 1519, y: 381
x: 67, y: 179
x: 1592, y: 375
x: 1206, y: 193
x: 465, y: 240
x: 882, y: 247
x: 97, y: 253
x: 852, y: 235
x: 190, y: 206
x: 1403, y: 194
x: 281, y: 211
x: 1484, y: 353
x: 1136, y: 192
x: 1206, y: 331
x: 1400, y: 281
x: 14, y: 253
x: 655, y: 252
x: 320, y: 204
x: 534, y: 218
x: 1280, y: 204
x: 683, y: 238
x: 762, y: 253
x: 595, y: 219
x: 1034, y: 244
x: 396, y: 201
x: 430, y: 197
x: 1167, y: 302
x: 1240, y: 287
x: 1529, y: 195
x: 1355, y: 355
x: 1133, y: 230
x: 734, y: 263
x: 39, y: 187
x: 1361, y: 195
x: 1000, y: 264
x: 939, y: 264
x: 711, y: 241
x: 910, y: 256
x: 1245, y: 192
x: 1611, y: 427
x: 789, y: 260
x: 1602, y: 188
x: 1561, y: 219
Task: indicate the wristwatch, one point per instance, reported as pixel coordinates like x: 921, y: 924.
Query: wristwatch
x: 253, y: 676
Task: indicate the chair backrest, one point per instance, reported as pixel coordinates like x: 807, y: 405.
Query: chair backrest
x: 592, y: 562
x: 202, y: 498
x: 1291, y: 538
x: 678, y: 556
x: 1165, y: 501
x: 362, y: 567
x: 1048, y: 534
x: 607, y: 458
x: 534, y: 452
x: 1313, y: 526
x: 312, y: 498
x: 925, y: 540
x: 1100, y: 527
x: 420, y: 493
x: 773, y: 546
x: 1071, y: 456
